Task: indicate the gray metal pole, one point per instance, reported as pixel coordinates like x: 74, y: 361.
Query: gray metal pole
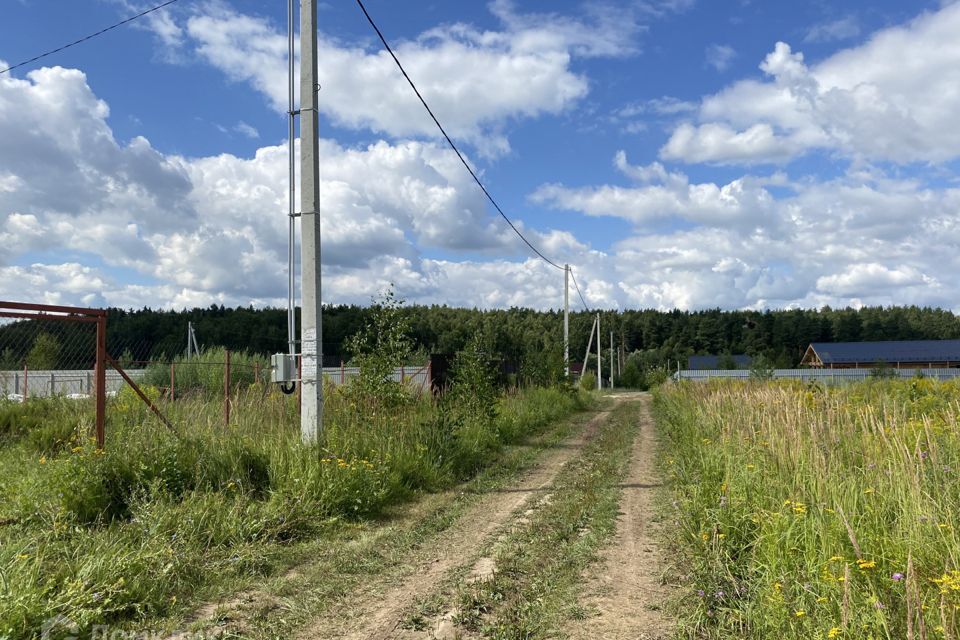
x: 566, y: 320
x: 611, y: 359
x: 599, y: 365
x: 292, y: 170
x: 189, y: 333
x: 311, y: 331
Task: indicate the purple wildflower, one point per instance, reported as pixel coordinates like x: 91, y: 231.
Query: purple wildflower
x: 897, y: 577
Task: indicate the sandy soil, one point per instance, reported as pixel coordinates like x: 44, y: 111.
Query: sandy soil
x: 625, y: 589
x: 376, y: 612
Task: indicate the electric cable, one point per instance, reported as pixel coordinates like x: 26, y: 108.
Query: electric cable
x: 453, y: 146
x: 584, y: 302
x: 89, y: 37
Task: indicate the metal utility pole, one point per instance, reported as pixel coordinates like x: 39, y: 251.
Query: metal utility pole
x: 611, y: 359
x: 311, y: 332
x: 189, y: 335
x: 566, y: 320
x: 599, y: 365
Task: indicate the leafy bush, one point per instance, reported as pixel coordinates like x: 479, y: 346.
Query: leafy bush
x: 632, y: 377
x: 378, y: 349
x: 656, y: 377
x: 588, y: 381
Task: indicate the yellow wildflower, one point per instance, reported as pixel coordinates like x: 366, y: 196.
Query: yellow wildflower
x: 834, y: 632
x: 799, y: 613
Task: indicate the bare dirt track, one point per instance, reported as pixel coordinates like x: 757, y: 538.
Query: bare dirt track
x: 377, y: 611
x: 625, y: 589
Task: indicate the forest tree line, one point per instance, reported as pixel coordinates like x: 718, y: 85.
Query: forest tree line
x: 532, y: 340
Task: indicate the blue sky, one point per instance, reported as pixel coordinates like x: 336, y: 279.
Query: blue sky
x: 679, y: 153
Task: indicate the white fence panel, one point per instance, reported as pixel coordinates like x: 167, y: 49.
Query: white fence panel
x: 62, y: 382
x: 416, y: 377
x: 819, y: 375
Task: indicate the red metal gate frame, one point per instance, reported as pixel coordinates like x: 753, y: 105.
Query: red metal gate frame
x: 24, y: 310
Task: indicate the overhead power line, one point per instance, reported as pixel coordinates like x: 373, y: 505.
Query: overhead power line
x: 89, y: 37
x: 584, y: 302
x: 453, y: 146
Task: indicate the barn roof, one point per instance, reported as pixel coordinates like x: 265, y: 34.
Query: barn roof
x: 889, y: 351
x: 700, y: 363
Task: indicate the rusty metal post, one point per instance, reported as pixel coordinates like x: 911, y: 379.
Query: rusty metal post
x: 101, y: 379
x: 256, y: 372
x: 26, y: 386
x: 226, y: 390
x: 173, y: 379
x: 343, y: 374
x: 133, y: 385
x: 403, y: 374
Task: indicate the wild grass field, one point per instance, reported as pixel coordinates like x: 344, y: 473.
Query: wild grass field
x: 127, y: 533
x: 811, y: 512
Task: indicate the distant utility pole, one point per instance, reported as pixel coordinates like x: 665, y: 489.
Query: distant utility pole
x: 586, y: 355
x: 192, y: 341
x: 311, y: 331
x: 611, y: 359
x: 566, y: 320
x: 599, y: 365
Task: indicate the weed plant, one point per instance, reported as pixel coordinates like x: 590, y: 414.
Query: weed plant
x: 811, y: 512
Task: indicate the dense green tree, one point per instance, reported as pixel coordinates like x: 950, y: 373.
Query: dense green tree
x: 45, y: 352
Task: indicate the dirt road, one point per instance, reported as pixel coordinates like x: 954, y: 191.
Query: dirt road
x: 625, y: 588
x: 378, y: 611
x: 412, y: 591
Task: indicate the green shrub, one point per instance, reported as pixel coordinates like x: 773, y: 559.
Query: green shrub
x: 632, y: 377
x: 588, y: 381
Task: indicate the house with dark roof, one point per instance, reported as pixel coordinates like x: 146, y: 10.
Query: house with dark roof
x: 901, y: 354
x: 701, y: 363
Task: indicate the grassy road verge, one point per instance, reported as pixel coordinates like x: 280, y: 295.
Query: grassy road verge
x: 811, y: 512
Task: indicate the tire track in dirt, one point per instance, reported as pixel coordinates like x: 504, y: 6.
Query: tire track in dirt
x: 376, y: 612
x: 626, y: 588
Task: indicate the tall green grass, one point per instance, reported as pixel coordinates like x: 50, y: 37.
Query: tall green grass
x: 125, y: 534
x: 204, y: 372
x: 805, y: 512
